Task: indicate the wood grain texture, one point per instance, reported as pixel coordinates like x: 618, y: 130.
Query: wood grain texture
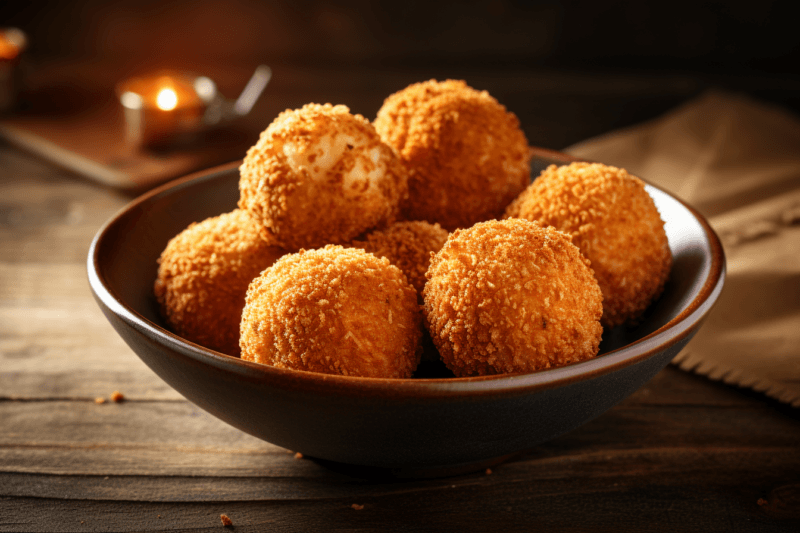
x: 177, y: 438
x: 609, y: 505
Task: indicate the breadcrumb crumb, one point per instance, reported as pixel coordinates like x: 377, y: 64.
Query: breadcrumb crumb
x: 298, y: 455
x: 99, y: 400
x: 226, y: 521
x: 117, y: 396
x: 357, y: 506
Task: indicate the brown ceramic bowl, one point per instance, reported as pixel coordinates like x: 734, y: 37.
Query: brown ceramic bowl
x: 410, y: 426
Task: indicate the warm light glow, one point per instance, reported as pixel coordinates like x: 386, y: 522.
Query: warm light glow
x: 12, y: 42
x: 167, y: 99
x: 8, y: 50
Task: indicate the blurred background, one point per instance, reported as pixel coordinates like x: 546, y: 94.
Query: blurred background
x: 569, y: 69
x: 720, y: 36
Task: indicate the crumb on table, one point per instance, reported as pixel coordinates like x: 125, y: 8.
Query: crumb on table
x: 117, y: 396
x: 357, y: 507
x: 226, y: 521
x: 298, y: 455
x: 99, y: 400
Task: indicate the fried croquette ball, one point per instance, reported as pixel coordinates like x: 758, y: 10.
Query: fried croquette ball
x: 320, y: 175
x: 511, y: 296
x: 616, y: 225
x: 203, y: 275
x: 407, y: 245
x: 333, y: 310
x: 466, y: 155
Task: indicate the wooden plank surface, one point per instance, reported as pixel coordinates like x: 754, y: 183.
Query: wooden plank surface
x: 177, y: 438
x: 71, y: 116
x: 681, y: 454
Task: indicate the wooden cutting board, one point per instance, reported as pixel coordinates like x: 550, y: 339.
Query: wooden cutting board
x: 71, y: 117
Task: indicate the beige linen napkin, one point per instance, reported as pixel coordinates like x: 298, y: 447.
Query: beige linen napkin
x: 738, y: 162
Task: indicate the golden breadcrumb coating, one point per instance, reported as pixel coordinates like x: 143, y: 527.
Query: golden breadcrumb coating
x: 616, y: 225
x: 408, y: 246
x: 333, y: 310
x: 511, y: 296
x: 466, y: 156
x: 399, y: 109
x: 203, y: 275
x: 320, y: 175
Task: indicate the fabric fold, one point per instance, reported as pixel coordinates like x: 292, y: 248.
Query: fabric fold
x: 737, y: 161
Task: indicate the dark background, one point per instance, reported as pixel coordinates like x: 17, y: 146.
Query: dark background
x: 719, y: 37
x: 623, y: 60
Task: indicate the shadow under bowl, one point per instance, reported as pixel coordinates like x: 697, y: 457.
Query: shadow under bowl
x: 406, y: 427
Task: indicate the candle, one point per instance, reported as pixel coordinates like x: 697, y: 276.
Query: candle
x: 12, y: 43
x: 169, y: 107
x: 165, y: 108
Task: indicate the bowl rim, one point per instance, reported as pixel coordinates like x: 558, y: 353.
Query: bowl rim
x: 664, y: 337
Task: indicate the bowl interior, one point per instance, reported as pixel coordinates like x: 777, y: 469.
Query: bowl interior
x: 127, y: 250
x: 135, y: 238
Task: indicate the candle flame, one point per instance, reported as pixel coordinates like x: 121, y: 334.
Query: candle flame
x: 167, y: 99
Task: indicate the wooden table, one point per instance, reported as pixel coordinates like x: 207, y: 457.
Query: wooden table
x: 681, y: 454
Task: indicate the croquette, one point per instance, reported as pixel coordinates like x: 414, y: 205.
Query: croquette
x: 466, y: 155
x: 320, y: 175
x: 333, y: 310
x: 511, y: 296
x: 616, y: 225
x: 408, y: 245
x: 203, y: 275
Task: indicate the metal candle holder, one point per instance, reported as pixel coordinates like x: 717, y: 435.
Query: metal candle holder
x: 169, y: 107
